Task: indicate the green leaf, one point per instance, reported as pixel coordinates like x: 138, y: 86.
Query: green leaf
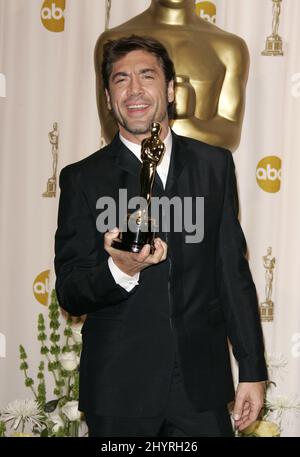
x: 2, y: 429
x: 23, y: 354
x: 29, y: 382
x: 24, y: 366
x: 68, y: 332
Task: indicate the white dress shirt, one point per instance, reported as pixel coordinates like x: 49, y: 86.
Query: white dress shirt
x: 121, y: 278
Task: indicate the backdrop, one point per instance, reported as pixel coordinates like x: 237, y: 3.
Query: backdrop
x: 48, y: 118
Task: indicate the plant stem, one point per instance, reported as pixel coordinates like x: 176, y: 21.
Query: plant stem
x: 68, y: 388
x: 31, y: 387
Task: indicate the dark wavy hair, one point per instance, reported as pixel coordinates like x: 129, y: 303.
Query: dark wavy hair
x: 114, y: 50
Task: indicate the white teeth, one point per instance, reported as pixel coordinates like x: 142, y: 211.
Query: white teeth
x: 137, y: 106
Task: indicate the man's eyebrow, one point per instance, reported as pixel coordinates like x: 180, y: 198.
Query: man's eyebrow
x: 118, y: 74
x: 147, y: 70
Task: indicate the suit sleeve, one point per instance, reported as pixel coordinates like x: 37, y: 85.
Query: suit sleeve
x: 84, y: 283
x: 237, y: 289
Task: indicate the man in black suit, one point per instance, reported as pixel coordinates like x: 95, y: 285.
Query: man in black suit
x: 155, y: 359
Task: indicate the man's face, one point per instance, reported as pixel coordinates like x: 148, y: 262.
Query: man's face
x: 138, y: 95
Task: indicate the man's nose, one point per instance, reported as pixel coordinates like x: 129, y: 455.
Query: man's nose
x: 135, y: 87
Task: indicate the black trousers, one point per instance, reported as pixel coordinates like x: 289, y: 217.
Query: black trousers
x: 178, y: 420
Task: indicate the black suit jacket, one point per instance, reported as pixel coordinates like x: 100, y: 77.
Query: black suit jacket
x: 190, y: 303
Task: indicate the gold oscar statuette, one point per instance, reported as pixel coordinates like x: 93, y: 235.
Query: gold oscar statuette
x: 51, y: 183
x: 139, y: 228
x: 274, y: 42
x: 267, y: 307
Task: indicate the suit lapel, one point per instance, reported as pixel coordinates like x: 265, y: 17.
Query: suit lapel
x: 179, y: 159
x: 125, y: 159
x: 177, y: 163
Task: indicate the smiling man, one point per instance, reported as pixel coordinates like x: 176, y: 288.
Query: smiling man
x: 155, y: 359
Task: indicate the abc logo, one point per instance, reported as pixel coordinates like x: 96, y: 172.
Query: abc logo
x: 41, y: 287
x: 52, y: 15
x: 268, y: 174
x: 206, y: 11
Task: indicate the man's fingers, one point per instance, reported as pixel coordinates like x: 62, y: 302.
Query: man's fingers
x: 254, y: 412
x: 110, y: 236
x: 238, y: 408
x: 246, y: 410
x: 143, y: 254
x: 248, y: 419
x: 245, y: 423
x: 158, y: 255
x: 136, y: 261
x: 249, y: 401
x: 159, y: 251
x: 165, y: 248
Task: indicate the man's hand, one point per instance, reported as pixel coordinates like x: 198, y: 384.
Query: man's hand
x: 130, y: 262
x: 249, y: 400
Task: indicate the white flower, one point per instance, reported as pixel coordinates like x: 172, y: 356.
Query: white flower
x: 276, y: 361
x: 70, y: 409
x: 76, y: 332
x: 57, y: 422
x: 69, y: 360
x: 283, y: 403
x: 23, y: 411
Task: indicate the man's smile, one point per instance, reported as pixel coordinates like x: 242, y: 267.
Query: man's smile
x: 137, y: 108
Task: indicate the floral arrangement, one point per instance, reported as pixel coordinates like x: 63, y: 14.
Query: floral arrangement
x: 60, y: 416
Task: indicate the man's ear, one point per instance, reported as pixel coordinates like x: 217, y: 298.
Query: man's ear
x: 171, y: 91
x: 108, y: 99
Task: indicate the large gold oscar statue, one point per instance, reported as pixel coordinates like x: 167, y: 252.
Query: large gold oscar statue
x: 211, y: 67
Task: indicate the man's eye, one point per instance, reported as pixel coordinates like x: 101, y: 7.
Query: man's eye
x: 120, y: 80
x: 148, y: 76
